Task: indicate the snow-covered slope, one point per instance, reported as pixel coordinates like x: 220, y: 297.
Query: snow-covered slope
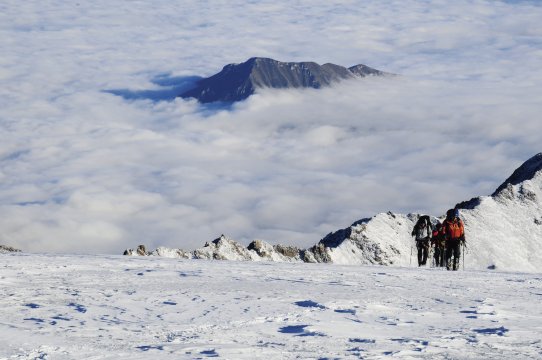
x: 503, y: 231
x: 64, y: 307
x: 383, y: 239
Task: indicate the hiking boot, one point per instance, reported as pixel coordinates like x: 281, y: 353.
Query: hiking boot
x: 456, y: 265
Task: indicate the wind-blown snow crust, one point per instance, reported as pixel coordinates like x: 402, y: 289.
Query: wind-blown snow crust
x: 65, y: 307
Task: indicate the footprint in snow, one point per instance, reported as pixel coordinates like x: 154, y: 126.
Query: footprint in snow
x: 150, y: 347
x: 32, y: 305
x: 309, y: 304
x: 346, y: 311
x: 299, y: 330
x: 209, y: 353
x: 78, y: 307
x: 500, y: 331
x: 362, y: 341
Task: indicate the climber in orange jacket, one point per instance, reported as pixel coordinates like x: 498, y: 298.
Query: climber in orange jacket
x: 454, y: 233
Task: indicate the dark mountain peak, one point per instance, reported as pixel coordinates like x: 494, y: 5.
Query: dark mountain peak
x: 525, y: 172
x: 238, y: 81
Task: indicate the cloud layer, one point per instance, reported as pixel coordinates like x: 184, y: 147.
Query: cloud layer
x: 85, y: 170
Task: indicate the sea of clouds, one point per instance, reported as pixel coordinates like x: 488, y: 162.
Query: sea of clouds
x: 97, y: 154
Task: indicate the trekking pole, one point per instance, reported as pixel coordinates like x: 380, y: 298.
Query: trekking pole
x: 464, y: 253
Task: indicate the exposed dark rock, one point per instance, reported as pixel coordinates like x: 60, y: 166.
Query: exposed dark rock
x: 8, y: 249
x: 527, y: 194
x: 525, y: 172
x: 288, y: 251
x: 141, y: 250
x: 317, y: 253
x: 261, y: 248
x: 238, y: 81
x: 469, y: 204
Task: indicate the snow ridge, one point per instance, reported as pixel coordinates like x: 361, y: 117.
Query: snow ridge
x: 525, y: 172
x: 503, y: 231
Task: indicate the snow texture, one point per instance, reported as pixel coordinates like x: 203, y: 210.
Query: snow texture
x: 113, y: 307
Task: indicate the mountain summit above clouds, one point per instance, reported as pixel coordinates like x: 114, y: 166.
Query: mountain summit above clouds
x: 238, y: 81
x: 503, y: 231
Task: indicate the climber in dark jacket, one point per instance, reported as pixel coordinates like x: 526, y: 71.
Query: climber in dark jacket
x: 422, y: 232
x: 438, y: 242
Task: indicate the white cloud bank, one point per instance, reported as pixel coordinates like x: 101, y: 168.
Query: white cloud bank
x: 83, y: 170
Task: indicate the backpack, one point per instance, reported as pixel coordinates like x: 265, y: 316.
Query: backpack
x: 424, y: 219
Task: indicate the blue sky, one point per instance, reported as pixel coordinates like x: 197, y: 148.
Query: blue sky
x: 85, y: 170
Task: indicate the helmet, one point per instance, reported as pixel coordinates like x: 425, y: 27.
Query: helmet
x: 450, y: 214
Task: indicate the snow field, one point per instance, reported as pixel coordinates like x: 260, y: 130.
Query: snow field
x: 105, y: 307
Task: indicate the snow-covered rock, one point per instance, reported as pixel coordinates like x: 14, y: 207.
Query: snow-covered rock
x: 171, y: 253
x: 7, y: 249
x: 384, y: 240
x: 224, y: 248
x: 140, y: 251
x: 279, y: 252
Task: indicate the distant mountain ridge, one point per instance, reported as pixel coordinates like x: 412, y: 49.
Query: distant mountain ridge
x: 503, y: 231
x: 237, y: 82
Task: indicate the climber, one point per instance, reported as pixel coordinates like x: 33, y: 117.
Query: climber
x: 439, y: 245
x: 454, y: 233
x: 422, y: 232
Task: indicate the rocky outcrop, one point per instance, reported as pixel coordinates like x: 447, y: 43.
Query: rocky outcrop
x: 8, y: 249
x: 525, y: 172
x: 140, y: 251
x: 270, y: 252
x: 238, y: 81
x: 223, y: 248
